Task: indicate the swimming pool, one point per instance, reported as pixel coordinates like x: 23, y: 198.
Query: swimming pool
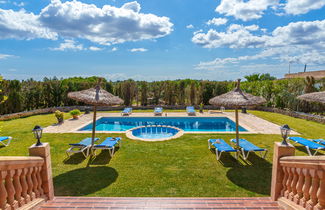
x: 188, y: 124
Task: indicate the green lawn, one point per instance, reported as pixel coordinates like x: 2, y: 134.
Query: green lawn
x: 180, y: 167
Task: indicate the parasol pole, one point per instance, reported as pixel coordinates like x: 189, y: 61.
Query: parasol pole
x: 237, y: 133
x: 237, y: 130
x: 94, y: 127
x: 94, y: 117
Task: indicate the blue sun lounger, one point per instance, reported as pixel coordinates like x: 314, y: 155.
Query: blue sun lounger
x: 126, y: 112
x: 190, y: 111
x: 158, y: 111
x: 5, y: 140
x: 319, y: 141
x: 308, y: 144
x: 248, y: 147
x: 221, y: 146
x: 108, y: 144
x: 83, y: 146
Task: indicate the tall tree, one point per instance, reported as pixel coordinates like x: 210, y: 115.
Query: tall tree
x: 144, y: 93
x: 309, y: 84
x: 2, y: 96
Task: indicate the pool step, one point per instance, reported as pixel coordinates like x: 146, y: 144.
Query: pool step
x: 172, y: 203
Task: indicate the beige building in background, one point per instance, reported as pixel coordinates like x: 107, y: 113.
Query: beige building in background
x: 315, y: 74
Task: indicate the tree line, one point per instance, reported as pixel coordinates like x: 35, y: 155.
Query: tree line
x: 52, y: 92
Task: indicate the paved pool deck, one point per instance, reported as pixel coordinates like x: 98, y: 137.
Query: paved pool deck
x: 252, y: 123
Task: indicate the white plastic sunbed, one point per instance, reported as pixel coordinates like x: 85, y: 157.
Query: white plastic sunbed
x: 5, y: 140
x: 83, y: 146
x: 108, y: 144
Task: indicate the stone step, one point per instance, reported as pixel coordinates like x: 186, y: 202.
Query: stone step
x: 172, y: 203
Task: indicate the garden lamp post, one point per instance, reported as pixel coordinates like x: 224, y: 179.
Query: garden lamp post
x: 285, y: 132
x: 38, y: 131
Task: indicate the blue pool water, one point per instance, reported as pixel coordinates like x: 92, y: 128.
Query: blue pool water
x: 154, y: 132
x: 188, y: 124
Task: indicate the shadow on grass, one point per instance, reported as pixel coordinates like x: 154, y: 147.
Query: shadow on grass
x: 227, y: 159
x: 102, y: 158
x: 254, y: 177
x: 74, y: 159
x: 84, y: 181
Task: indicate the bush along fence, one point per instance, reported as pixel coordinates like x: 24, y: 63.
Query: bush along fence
x: 290, y: 113
x: 52, y: 92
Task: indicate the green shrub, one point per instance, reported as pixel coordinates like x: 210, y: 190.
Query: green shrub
x: 75, y: 112
x: 59, y: 116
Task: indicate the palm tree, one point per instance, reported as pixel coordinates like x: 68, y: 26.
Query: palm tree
x: 309, y: 84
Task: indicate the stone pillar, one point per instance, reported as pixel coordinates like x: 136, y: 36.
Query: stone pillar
x: 47, y: 181
x: 277, y: 173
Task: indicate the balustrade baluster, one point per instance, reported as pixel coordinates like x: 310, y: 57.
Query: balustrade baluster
x: 285, y: 178
x: 10, y: 189
x: 30, y: 184
x: 24, y: 186
x: 35, y: 182
x: 300, y: 185
x: 313, y: 190
x: 40, y: 182
x: 293, y: 184
x: 288, y: 184
x: 17, y: 185
x: 321, y: 191
x: 3, y: 190
x: 306, y: 187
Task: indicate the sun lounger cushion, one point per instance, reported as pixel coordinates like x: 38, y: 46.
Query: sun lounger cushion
x: 84, y: 142
x: 127, y: 110
x: 109, y: 142
x: 247, y: 146
x: 307, y: 143
x: 221, y: 145
x: 3, y: 138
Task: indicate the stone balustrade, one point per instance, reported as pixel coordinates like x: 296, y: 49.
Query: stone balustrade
x: 298, y: 182
x: 304, y: 181
x: 26, y: 181
x: 20, y: 181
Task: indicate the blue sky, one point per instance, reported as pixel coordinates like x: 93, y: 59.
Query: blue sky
x: 160, y: 39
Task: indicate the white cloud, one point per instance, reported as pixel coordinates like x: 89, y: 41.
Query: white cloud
x: 114, y: 49
x: 20, y: 4
x: 74, y: 19
x: 300, y: 42
x: 245, y: 10
x: 69, y: 45
x: 297, y: 7
x: 138, y: 50
x: 303, y: 33
x: 22, y: 25
x: 189, y: 26
x: 236, y: 36
x: 5, y: 56
x: 3, y: 2
x: 105, y: 25
x: 94, y: 48
x: 217, y: 21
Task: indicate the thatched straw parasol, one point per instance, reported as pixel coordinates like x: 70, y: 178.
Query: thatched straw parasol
x: 236, y: 99
x: 97, y: 97
x: 318, y: 97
